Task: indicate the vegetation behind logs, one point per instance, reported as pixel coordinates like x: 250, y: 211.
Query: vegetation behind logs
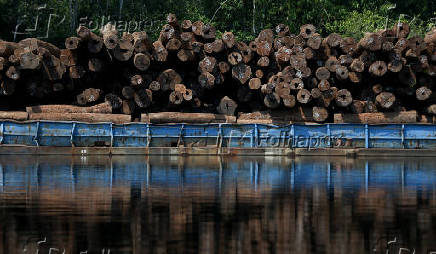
x: 189, y: 69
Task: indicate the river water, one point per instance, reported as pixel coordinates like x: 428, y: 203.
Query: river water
x: 216, y: 205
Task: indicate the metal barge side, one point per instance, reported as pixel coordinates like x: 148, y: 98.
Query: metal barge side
x: 77, y: 138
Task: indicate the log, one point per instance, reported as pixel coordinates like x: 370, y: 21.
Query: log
x: 95, y: 43
x: 128, y: 107
x: 319, y: 114
x: 378, y: 68
x: 143, y: 98
x: 289, y: 101
x: 142, y: 61
x: 83, y: 32
x: 160, y: 53
x: 123, y: 50
x: 385, y: 100
x: 30, y: 61
x: 234, y: 58
x: 228, y: 39
x: 154, y: 86
x: 33, y: 44
x: 296, y: 114
x: 194, y: 118
x: 95, y: 65
x: 186, y: 25
x: 72, y: 42
x: 14, y: 115
x: 423, y: 93
x: 314, y: 41
x: 208, y: 64
x: 82, y: 117
x: 322, y: 73
x: 304, y: 96
x: 272, y: 100
x: 186, y: 55
x: 103, y: 108
x: 168, y: 79
x: 128, y: 92
x: 173, y: 44
x: 255, y: 83
x: 110, y: 36
x: 227, y: 106
x: 68, y: 57
x: 141, y: 42
x: 341, y: 72
x: 377, y: 88
x: 343, y: 98
x: 241, y: 72
x: 431, y: 109
x: 188, y: 95
x: 89, y: 95
x: 224, y: 67
x: 357, y: 106
x: 357, y: 65
x: 176, y: 98
x: 8, y: 48
x: 113, y: 100
x: 206, y: 80
x: 377, y: 118
x: 323, y: 85
x: 307, y: 31
x: 401, y: 30
x: 13, y: 73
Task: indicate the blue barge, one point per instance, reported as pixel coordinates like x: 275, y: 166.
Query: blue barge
x: 55, y: 137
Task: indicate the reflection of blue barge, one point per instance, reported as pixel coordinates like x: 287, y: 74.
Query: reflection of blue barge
x: 41, y: 137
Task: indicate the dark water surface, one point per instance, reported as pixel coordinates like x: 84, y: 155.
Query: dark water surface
x: 216, y: 205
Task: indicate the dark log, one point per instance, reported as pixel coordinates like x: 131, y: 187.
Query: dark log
x: 289, y: 101
x: 206, y: 80
x: 315, y: 41
x: 173, y: 44
x: 143, y: 98
x: 128, y: 92
x: 186, y: 55
x: 331, y: 64
x: 378, y: 68
x: 168, y: 79
x: 334, y: 40
x: 241, y: 72
x: 377, y: 118
x: 77, y: 72
x: 348, y: 45
x: 13, y: 72
x: 30, y: 61
x: 208, y: 32
x: 298, y: 62
x: 263, y: 61
x: 385, y: 100
x: 124, y: 50
x: 58, y: 87
x: 154, y: 86
x: 8, y: 48
x: 128, y: 107
x: 186, y: 25
x: 341, y: 72
x: 95, y: 43
x: 95, y: 65
x: 377, y: 88
x: 160, y: 53
x: 315, y: 93
x: 68, y: 57
x: 322, y: 73
x: 371, y: 41
x: 343, y: 98
x: 224, y: 67
x: 141, y: 42
x: 272, y: 100
x: 72, y: 42
x: 83, y: 32
x: 395, y: 66
x: 3, y: 63
x: 234, y: 58
x: 208, y: 64
x: 357, y: 65
x: 357, y: 106
x: 345, y: 60
x: 323, y: 85
x: 113, y: 100
x: 8, y: 86
x: 177, y: 117
x: 89, y: 95
x: 296, y: 84
x: 141, y: 61
x: 259, y: 74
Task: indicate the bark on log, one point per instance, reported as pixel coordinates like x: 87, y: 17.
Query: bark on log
x: 103, y: 108
x: 377, y: 118
x: 82, y: 117
x: 227, y: 106
x: 385, y: 100
x: 343, y: 98
x: 14, y: 115
x: 194, y: 118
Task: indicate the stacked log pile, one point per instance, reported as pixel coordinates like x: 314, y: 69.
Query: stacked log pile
x: 189, y: 69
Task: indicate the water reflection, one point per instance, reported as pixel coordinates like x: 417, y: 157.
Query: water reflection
x: 215, y: 205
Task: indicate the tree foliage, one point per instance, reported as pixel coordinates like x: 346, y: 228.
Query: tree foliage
x: 244, y: 17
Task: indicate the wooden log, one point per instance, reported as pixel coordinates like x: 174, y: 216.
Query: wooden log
x: 423, y: 93
x: 323, y: 85
x: 154, y: 86
x: 343, y: 98
x: 128, y: 107
x: 206, y: 80
x: 8, y: 48
x: 377, y: 88
x: 72, y: 42
x: 124, y: 50
x: 234, y: 58
x: 357, y: 65
x: 30, y: 61
x: 296, y: 84
x: 68, y: 57
x: 110, y: 36
x: 176, y: 98
x: 401, y: 30
x: 208, y: 64
x: 186, y: 55
x: 13, y: 72
x: 113, y: 100
x: 186, y: 25
x: 395, y: 66
x: 431, y: 109
x: 95, y: 65
x: 173, y: 44
x: 296, y: 114
x: 264, y: 48
x: 304, y: 96
x: 227, y: 106
x: 371, y: 41
x: 160, y: 53
x: 95, y: 43
x: 241, y: 72
x: 172, y: 20
x: 141, y: 42
x: 272, y: 100
x: 341, y: 72
x: 143, y: 98
x: 34, y: 44
x: 385, y: 100
x: 307, y: 31
x: 168, y: 79
x: 322, y: 73
x: 358, y: 106
x: 14, y: 115
x: 194, y: 118
x: 83, y: 32
x: 89, y: 95
x: 228, y: 39
x: 103, y: 108
x: 377, y: 118
x: 263, y: 61
x: 319, y: 114
x: 77, y: 72
x: 188, y: 95
x: 3, y: 63
x: 208, y: 32
x: 82, y: 117
x: 314, y: 41
x: 197, y: 28
x: 378, y: 68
